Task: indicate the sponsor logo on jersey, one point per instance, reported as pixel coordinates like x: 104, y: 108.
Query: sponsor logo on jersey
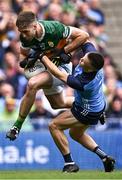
x: 51, y: 44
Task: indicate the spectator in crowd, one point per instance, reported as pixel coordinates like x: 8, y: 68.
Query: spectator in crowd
x: 2, y: 75
x: 28, y: 5
x: 9, y: 114
x: 95, y: 13
x: 54, y: 12
x: 112, y: 81
x: 110, y: 72
x: 6, y: 90
x: 119, y: 93
x: 115, y: 108
x: 114, y: 113
x: 83, y: 19
x: 110, y: 89
x: 13, y: 75
x: 4, y: 19
x: 68, y: 18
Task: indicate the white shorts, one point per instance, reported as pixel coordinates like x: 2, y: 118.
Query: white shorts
x: 57, y: 86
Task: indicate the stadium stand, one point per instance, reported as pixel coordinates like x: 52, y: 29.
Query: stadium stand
x: 113, y: 26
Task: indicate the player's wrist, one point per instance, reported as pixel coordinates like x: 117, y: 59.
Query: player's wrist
x: 63, y: 50
x: 41, y: 56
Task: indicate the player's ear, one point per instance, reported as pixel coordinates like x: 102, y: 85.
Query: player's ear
x: 35, y: 25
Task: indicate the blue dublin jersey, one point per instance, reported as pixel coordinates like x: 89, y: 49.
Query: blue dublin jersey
x: 88, y: 89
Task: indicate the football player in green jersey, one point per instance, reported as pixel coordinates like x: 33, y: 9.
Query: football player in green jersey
x: 55, y: 40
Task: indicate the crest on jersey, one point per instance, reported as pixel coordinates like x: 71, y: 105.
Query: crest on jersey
x: 51, y: 44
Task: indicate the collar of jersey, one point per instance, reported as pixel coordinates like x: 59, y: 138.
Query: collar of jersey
x: 43, y: 32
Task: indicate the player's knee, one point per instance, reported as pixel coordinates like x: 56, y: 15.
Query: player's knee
x: 73, y: 135
x: 32, y: 84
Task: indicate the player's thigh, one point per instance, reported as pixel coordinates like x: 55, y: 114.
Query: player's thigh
x: 42, y: 80
x: 56, y: 100
x: 65, y: 120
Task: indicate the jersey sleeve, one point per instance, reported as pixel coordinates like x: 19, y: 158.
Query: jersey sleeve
x: 67, y: 31
x: 62, y: 30
x: 78, y: 82
x: 88, y: 47
x: 75, y: 83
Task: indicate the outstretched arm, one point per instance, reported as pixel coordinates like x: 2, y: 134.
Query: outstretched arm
x: 54, y: 70
x: 70, y: 80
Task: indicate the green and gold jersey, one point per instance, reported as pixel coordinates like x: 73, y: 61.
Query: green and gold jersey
x: 54, y: 32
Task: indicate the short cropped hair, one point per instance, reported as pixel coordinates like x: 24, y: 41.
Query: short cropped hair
x: 25, y: 18
x: 96, y: 59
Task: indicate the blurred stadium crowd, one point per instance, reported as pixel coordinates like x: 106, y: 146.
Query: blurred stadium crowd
x: 84, y: 14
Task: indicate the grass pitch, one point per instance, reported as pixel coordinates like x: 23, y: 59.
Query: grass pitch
x: 59, y: 175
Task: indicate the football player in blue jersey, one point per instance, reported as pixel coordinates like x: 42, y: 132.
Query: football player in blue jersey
x: 87, y: 109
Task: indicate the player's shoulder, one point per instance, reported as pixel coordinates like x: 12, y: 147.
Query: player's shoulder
x: 100, y: 72
x: 99, y: 76
x: 55, y: 27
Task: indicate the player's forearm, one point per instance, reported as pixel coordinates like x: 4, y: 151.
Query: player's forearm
x: 77, y: 42
x: 23, y: 57
x: 54, y: 70
x: 23, y: 53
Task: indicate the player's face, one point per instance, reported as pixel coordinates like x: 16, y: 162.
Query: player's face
x: 85, y: 63
x: 28, y: 33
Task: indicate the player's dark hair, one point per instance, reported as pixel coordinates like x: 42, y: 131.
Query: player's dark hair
x: 25, y: 18
x: 96, y: 59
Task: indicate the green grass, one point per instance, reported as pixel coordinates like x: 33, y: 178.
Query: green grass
x: 59, y: 175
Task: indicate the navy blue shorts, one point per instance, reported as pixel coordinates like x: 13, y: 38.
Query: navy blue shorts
x: 85, y: 117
